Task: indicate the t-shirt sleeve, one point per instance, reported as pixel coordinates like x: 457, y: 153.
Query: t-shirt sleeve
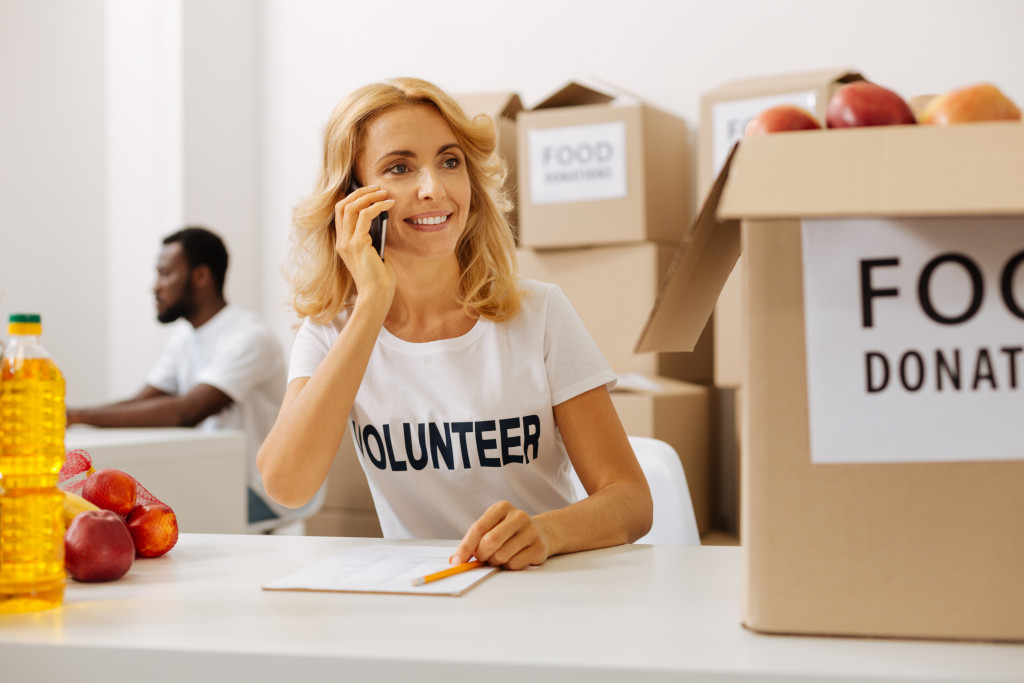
x: 575, y: 363
x: 241, y: 362
x: 311, y: 345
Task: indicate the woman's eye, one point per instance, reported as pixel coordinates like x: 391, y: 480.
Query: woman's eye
x: 398, y: 169
x: 451, y: 163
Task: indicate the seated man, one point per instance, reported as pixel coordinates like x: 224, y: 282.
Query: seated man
x: 222, y: 370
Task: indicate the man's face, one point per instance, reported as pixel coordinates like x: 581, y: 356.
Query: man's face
x: 173, y: 288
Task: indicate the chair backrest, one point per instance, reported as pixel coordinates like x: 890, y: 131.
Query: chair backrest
x: 674, y: 520
x: 297, y: 515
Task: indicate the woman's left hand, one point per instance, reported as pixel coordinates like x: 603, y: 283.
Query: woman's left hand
x: 504, y: 536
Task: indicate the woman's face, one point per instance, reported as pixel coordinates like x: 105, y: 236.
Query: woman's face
x: 413, y: 154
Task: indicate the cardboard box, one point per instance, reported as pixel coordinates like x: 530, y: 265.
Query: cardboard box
x: 596, y: 168
x: 725, y: 112
x: 503, y: 108
x: 677, y: 413
x: 612, y: 289
x: 894, y: 517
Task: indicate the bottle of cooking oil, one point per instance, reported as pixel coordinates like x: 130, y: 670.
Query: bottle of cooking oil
x: 32, y: 420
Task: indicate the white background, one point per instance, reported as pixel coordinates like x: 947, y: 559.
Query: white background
x: 122, y: 119
x: 850, y: 424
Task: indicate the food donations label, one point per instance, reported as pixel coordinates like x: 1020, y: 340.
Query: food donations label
x: 915, y: 339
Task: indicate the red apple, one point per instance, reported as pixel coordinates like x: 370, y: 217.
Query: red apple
x: 781, y: 118
x: 112, y: 490
x: 98, y: 546
x: 863, y: 103
x: 979, y: 102
x: 154, y: 529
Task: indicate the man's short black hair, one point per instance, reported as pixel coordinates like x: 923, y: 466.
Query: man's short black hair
x: 203, y: 248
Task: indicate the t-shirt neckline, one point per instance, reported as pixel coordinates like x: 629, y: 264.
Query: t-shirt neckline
x: 437, y: 346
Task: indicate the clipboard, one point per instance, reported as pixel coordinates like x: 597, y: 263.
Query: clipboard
x: 382, y: 569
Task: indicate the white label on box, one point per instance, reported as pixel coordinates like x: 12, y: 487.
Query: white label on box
x: 915, y: 339
x: 578, y: 163
x: 729, y: 120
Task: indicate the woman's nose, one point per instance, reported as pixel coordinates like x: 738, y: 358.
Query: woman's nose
x: 431, y: 186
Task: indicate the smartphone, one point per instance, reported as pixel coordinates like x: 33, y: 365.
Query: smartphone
x: 378, y: 227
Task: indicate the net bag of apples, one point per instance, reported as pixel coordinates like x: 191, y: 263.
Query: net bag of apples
x: 111, y: 518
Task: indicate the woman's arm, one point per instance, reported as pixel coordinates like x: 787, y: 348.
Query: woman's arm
x: 297, y: 454
x: 618, y: 510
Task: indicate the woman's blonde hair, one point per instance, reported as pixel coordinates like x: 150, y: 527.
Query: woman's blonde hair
x: 321, y: 284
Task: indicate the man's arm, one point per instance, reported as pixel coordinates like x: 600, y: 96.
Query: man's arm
x: 152, y: 407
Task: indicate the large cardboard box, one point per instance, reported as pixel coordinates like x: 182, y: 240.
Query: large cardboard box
x: 612, y: 289
x: 503, y: 108
x: 725, y: 112
x: 882, y: 454
x: 677, y: 413
x: 597, y: 168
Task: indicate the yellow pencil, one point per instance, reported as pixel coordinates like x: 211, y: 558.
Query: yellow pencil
x: 451, y: 571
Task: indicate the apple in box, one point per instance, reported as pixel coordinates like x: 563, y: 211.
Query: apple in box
x: 781, y: 118
x: 979, y: 102
x: 863, y: 103
x: 98, y: 546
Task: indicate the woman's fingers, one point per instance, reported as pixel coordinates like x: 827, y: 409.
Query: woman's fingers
x: 503, y: 536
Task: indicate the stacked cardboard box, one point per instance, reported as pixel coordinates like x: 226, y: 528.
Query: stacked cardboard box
x: 602, y: 202
x: 881, y: 454
x: 725, y: 112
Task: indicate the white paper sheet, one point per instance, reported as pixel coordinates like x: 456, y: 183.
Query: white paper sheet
x: 382, y: 569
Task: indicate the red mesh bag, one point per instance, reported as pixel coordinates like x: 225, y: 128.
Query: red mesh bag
x: 154, y: 530
x: 78, y: 466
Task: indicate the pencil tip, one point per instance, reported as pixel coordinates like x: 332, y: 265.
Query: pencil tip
x: 418, y: 581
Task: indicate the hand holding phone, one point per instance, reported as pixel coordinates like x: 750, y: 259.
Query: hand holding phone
x: 378, y: 226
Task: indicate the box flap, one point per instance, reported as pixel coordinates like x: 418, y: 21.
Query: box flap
x: 698, y: 272
x: 770, y: 85
x: 573, y: 95
x: 497, y: 105
x: 964, y: 169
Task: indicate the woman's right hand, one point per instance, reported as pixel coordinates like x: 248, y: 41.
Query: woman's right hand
x: 352, y: 218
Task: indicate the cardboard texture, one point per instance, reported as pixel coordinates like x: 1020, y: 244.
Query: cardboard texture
x: 503, y: 108
x: 612, y: 289
x: 677, y: 413
x: 611, y: 170
x: 725, y: 112
x: 910, y: 550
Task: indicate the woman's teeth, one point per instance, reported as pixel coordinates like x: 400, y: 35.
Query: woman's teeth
x: 433, y: 220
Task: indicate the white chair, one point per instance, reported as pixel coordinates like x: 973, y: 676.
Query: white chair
x: 674, y: 521
x: 293, y: 523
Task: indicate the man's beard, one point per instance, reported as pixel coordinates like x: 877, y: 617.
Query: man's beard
x: 182, y: 308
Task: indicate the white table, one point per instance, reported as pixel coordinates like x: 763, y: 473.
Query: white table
x: 200, y: 474
x: 631, y: 613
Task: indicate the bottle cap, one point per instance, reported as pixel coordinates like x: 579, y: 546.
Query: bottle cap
x: 25, y: 323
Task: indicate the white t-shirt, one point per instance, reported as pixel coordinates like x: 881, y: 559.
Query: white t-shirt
x: 235, y: 352
x: 444, y: 429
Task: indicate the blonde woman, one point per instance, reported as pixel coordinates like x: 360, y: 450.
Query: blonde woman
x: 470, y: 392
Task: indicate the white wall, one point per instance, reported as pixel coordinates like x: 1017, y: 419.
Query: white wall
x: 124, y: 118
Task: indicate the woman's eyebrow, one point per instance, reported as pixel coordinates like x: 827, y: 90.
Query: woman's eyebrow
x: 412, y: 155
x: 397, y: 153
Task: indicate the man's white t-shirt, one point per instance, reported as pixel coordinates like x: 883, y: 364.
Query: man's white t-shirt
x: 234, y: 352
x: 444, y: 429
